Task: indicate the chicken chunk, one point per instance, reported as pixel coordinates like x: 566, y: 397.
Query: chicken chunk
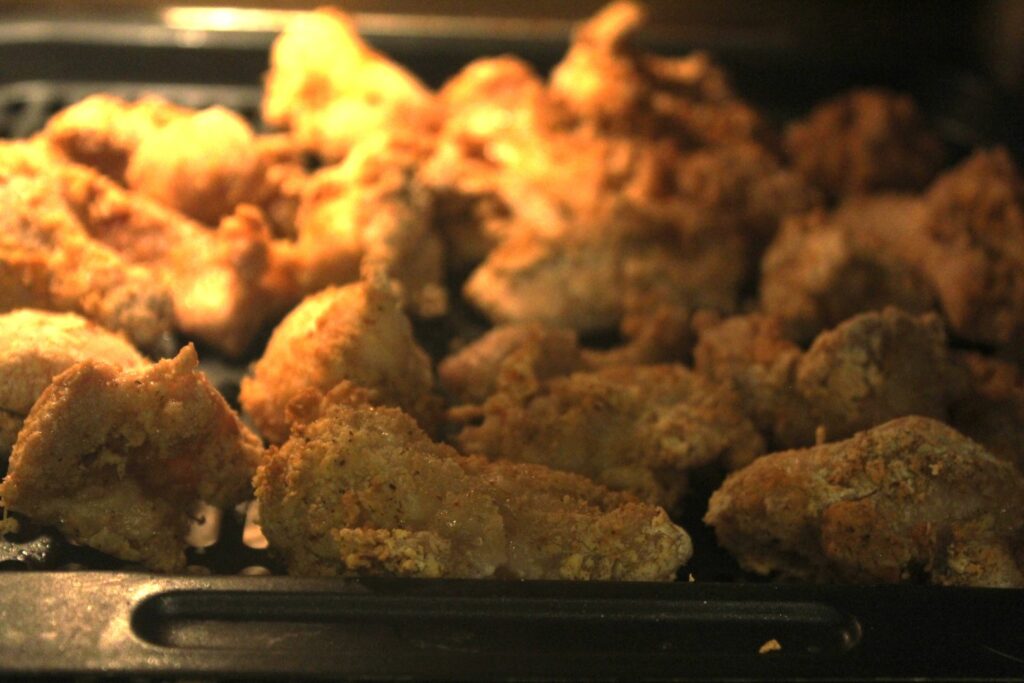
x: 362, y: 490
x: 330, y: 89
x: 974, y: 250
x: 117, y: 459
x: 823, y: 268
x: 48, y: 260
x: 638, y: 429
x: 528, y: 351
x: 865, y: 141
x: 872, y: 368
x: 606, y: 81
x: 201, y: 163
x: 35, y: 346
x: 910, y: 500
x: 370, y: 212
x: 225, y: 284
x: 355, y: 335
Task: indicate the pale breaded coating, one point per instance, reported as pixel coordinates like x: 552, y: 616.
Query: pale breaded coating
x: 910, y: 500
x: 823, y: 268
x: 225, y: 284
x: 35, y: 346
x: 48, y: 260
x: 751, y: 355
x: 605, y: 80
x: 527, y: 352
x: 370, y: 212
x: 201, y: 163
x: 991, y: 408
x: 330, y: 89
x: 865, y: 141
x: 638, y: 429
x: 870, y: 369
x: 117, y: 459
x: 362, y: 490
x: 356, y: 335
x: 974, y: 253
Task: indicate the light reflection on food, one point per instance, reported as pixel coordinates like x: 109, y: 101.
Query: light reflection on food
x: 637, y: 283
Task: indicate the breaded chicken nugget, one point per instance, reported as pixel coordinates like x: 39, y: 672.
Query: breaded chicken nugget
x: 362, y: 490
x: 637, y: 429
x: 330, y: 89
x: 356, y: 334
x: 864, y: 141
x: 910, y: 500
x: 117, y: 459
x: 870, y: 369
x: 35, y: 346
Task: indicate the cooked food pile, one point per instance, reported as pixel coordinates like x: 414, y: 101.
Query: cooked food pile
x: 519, y: 323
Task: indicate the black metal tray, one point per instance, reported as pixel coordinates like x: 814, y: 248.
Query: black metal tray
x: 63, y: 618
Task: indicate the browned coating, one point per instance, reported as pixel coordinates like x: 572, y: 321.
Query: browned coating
x: 911, y: 500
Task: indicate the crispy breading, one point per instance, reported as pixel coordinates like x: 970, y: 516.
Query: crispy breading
x: 606, y: 81
x: 910, y: 500
x: 201, y: 163
x: 225, y: 283
x: 362, y: 490
x: 872, y: 368
x: 865, y: 141
x: 48, y: 260
x: 638, y: 429
x: 35, y: 346
x: 117, y: 459
x: 974, y: 253
x: 330, y: 89
x: 370, y: 212
x: 823, y: 268
x: 475, y: 372
x: 355, y: 334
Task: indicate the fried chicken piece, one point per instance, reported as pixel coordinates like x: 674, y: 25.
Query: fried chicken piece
x: 606, y: 81
x: 498, y: 123
x: 330, y: 89
x: 226, y: 285
x: 910, y: 500
x: 370, y: 212
x: 35, y: 346
x: 974, y: 253
x: 49, y: 261
x: 201, y: 163
x: 751, y: 355
x: 357, y: 335
x: 872, y: 368
x: 529, y: 351
x: 864, y: 141
x: 361, y: 490
x: 594, y: 268
x: 823, y: 268
x: 637, y: 429
x: 117, y: 459
x: 991, y: 408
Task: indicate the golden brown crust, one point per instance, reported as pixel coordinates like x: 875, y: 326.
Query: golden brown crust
x: 330, y: 89
x: 872, y: 368
x: 864, y: 141
x: 363, y: 490
x: 117, y: 459
x: 991, y: 408
x: 356, y: 334
x: 637, y: 429
x: 911, y: 500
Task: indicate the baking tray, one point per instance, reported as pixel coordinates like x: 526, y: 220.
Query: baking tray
x: 67, y: 611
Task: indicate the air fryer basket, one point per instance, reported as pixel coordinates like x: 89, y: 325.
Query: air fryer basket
x: 66, y: 610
